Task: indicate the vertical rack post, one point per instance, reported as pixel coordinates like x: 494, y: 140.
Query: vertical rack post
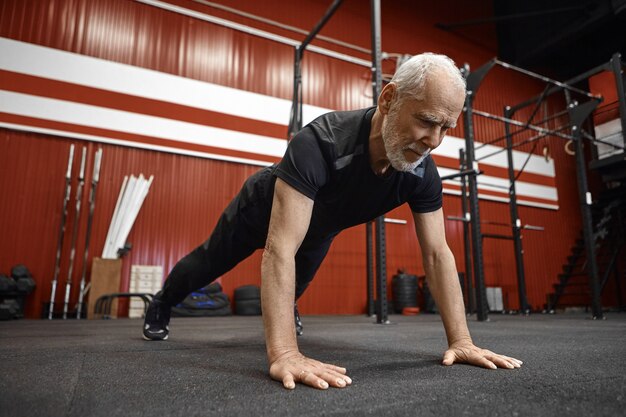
x: 516, y: 224
x: 369, y: 247
x: 482, y: 312
x: 578, y: 114
x: 471, y: 300
x: 381, y: 252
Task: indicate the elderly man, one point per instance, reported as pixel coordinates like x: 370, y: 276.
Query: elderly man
x: 343, y: 169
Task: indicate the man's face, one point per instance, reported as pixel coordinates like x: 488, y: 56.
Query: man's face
x: 412, y: 128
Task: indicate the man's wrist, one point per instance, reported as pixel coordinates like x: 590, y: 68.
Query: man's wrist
x: 463, y: 340
x: 274, y: 354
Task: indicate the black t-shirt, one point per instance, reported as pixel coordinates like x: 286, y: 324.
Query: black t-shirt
x: 328, y: 161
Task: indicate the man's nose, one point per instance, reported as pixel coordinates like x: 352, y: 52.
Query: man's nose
x: 433, y: 137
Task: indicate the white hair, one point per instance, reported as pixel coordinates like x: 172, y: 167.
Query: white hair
x: 411, y: 76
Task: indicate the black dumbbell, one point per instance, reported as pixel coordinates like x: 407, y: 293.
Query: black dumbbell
x: 26, y: 284
x: 23, y: 279
x: 20, y: 271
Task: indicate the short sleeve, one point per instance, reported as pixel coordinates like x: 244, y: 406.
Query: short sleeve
x: 428, y: 196
x: 303, y: 166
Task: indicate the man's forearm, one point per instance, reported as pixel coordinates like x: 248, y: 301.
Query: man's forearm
x: 277, y: 297
x: 443, y: 284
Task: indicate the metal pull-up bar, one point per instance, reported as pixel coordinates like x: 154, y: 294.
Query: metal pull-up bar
x: 522, y: 124
x: 615, y: 65
x: 517, y: 132
x: 545, y: 79
x: 295, y: 119
x: 329, y: 13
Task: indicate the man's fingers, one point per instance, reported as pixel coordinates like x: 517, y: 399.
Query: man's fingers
x: 335, y: 379
x: 501, y: 362
x: 448, y: 358
x: 473, y: 355
x: 288, y: 381
x: 517, y: 361
x: 336, y: 368
x: 323, y: 378
x: 484, y: 362
x: 504, y: 361
x: 299, y: 369
x: 341, y: 373
x: 313, y: 380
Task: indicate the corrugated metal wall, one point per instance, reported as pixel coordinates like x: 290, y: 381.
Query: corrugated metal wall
x: 189, y: 193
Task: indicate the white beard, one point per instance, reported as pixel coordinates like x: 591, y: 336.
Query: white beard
x: 395, y: 149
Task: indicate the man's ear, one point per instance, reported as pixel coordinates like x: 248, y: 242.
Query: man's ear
x: 386, y: 97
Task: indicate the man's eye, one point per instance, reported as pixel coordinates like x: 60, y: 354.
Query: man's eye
x: 426, y: 123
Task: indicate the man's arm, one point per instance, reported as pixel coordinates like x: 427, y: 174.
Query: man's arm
x: 289, y: 222
x: 443, y: 283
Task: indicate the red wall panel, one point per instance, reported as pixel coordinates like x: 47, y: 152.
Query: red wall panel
x: 189, y: 193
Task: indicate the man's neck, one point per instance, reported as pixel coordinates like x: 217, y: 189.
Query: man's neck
x: 378, y: 156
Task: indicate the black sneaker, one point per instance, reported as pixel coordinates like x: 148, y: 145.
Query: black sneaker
x: 296, y: 315
x: 156, y: 324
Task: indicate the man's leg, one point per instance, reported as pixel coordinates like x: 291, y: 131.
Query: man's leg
x: 231, y: 242
x: 226, y: 247
x: 308, y: 260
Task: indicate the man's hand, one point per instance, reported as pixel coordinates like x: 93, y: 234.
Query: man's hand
x: 467, y: 352
x: 293, y: 367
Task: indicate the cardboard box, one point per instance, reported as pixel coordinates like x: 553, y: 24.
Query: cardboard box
x: 143, y: 279
x: 105, y: 279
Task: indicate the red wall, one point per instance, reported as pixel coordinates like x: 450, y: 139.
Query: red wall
x: 189, y: 193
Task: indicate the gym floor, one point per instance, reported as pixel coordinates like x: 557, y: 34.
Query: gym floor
x: 217, y: 366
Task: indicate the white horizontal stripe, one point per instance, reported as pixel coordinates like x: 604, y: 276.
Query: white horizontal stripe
x: 520, y: 202
x: 500, y: 185
x: 521, y: 188
x: 74, y: 113
x: 78, y: 69
x: 537, y: 164
x: 179, y: 151
x: 157, y: 127
x: 74, y: 68
x: 538, y: 205
x: 140, y: 145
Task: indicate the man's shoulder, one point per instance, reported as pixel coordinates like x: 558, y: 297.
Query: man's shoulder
x: 341, y: 130
x: 339, y: 123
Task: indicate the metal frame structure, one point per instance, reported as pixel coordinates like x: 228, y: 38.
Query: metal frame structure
x: 295, y: 124
x: 295, y: 120
x: 616, y: 66
x: 578, y: 113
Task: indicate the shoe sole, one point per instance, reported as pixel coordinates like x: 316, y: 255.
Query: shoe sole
x: 154, y: 340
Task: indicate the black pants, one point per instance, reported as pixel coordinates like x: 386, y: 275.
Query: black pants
x: 240, y: 230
